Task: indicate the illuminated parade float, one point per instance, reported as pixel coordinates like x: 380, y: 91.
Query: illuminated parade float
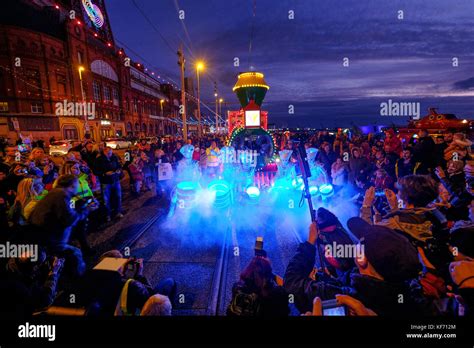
x: 251, y: 169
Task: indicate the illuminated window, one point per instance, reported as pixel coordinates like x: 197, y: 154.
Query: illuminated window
x: 3, y: 106
x: 104, y: 69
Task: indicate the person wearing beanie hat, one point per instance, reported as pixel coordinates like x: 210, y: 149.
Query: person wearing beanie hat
x: 387, y: 271
x: 383, y: 279
x: 300, y: 278
x: 388, y: 254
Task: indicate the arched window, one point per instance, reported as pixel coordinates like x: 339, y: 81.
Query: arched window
x: 104, y: 69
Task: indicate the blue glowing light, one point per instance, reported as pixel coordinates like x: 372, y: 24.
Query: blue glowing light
x: 298, y: 183
x: 187, y: 186
x: 313, y: 190
x: 326, y: 190
x: 253, y: 191
x: 220, y: 187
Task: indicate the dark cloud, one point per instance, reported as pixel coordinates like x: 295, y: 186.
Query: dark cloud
x: 465, y: 85
x: 302, y: 58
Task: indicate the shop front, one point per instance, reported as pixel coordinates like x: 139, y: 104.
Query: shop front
x: 36, y: 127
x: 110, y: 129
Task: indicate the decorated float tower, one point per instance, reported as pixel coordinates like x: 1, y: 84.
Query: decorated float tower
x: 248, y: 126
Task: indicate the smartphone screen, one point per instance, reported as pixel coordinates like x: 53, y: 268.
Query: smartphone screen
x: 335, y: 311
x: 331, y: 308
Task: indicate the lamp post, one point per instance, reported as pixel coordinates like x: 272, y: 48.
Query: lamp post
x: 217, y: 114
x: 199, y: 67
x: 161, y: 106
x: 220, y: 106
x: 83, y: 95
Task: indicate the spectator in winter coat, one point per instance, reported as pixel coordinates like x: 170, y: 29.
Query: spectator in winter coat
x: 357, y: 165
x: 424, y: 152
x: 55, y: 216
x: 109, y: 171
x: 392, y: 144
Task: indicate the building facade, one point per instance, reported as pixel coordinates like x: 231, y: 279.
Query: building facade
x: 62, y: 75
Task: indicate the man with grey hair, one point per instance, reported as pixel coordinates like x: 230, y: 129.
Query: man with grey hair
x: 157, y: 305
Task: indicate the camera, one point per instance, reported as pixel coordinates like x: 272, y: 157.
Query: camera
x: 131, y: 267
x: 259, y: 251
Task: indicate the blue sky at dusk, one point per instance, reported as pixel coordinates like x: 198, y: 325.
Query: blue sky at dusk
x: 407, y: 60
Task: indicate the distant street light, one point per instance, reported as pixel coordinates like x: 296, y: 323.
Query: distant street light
x: 199, y: 67
x: 220, y: 106
x: 86, y: 121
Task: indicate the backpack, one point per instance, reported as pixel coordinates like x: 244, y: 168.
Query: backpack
x: 244, y: 305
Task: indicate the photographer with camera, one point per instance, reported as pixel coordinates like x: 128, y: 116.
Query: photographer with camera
x: 257, y: 293
x: 29, y: 284
x: 118, y: 286
x: 84, y: 197
x: 387, y: 268
x: 56, y: 215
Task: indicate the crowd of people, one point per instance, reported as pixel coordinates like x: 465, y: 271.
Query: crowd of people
x: 416, y: 226
x: 56, y: 202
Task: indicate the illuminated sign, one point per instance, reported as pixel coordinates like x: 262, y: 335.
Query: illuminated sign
x: 252, y: 118
x: 94, y: 13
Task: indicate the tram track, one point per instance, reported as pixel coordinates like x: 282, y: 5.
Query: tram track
x: 220, y: 281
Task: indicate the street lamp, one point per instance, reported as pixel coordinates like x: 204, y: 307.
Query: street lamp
x: 161, y: 105
x: 199, y: 67
x: 220, y: 105
x: 81, y: 69
x: 86, y: 122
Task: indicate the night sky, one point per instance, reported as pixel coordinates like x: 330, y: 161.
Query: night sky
x: 407, y: 60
